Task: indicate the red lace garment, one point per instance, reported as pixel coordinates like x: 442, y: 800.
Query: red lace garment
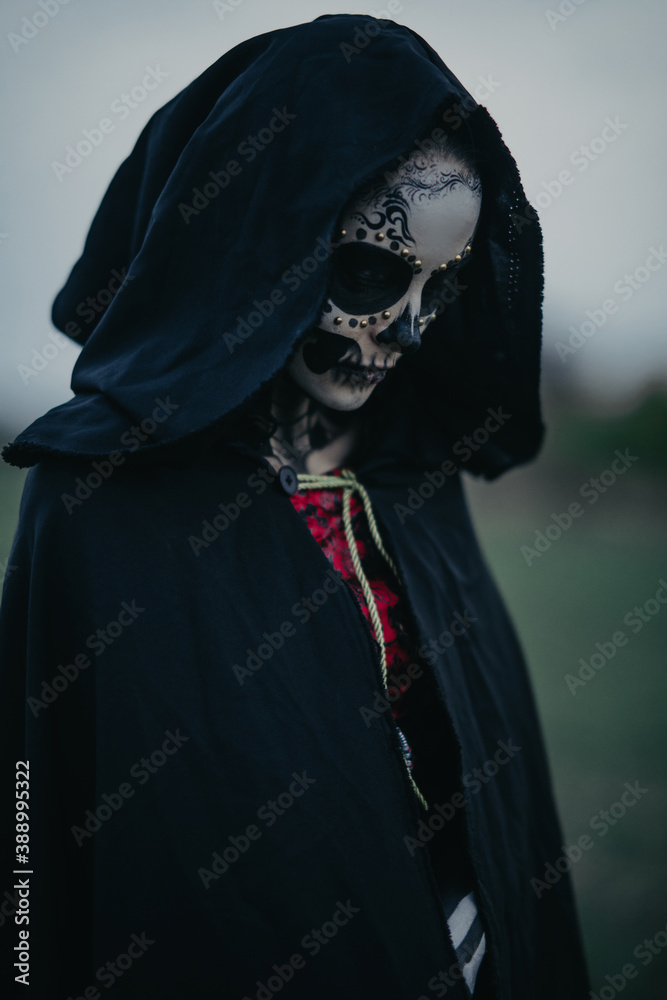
x: 322, y: 510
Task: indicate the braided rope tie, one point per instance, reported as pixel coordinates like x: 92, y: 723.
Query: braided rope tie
x: 349, y: 483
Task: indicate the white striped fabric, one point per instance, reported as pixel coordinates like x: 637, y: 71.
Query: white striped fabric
x: 468, y: 936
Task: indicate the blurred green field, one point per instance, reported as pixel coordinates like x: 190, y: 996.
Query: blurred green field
x: 11, y: 486
x: 612, y: 730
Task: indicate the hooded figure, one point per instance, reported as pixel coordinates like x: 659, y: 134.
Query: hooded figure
x: 274, y: 725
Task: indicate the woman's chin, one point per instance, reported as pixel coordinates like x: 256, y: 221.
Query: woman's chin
x: 342, y: 398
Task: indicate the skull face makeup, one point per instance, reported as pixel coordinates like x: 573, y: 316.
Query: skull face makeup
x: 401, y: 242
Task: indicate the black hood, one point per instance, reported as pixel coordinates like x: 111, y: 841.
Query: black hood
x: 215, y: 237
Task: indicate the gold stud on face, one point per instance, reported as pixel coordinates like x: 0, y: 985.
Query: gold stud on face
x: 421, y: 322
x: 386, y: 314
x: 379, y: 236
x: 443, y: 267
x: 458, y: 257
x: 343, y: 232
x: 418, y: 263
x: 338, y: 320
x: 363, y: 322
x: 405, y: 252
x: 468, y: 249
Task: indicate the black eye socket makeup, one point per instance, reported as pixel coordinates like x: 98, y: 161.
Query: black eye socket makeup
x: 367, y: 279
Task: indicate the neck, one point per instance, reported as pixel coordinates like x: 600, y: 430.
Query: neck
x: 309, y: 436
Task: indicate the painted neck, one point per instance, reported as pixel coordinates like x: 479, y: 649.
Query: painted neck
x: 309, y: 436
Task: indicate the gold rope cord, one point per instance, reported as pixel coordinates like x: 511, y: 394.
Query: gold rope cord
x: 349, y: 483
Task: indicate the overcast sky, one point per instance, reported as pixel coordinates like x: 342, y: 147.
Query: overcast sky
x: 555, y: 76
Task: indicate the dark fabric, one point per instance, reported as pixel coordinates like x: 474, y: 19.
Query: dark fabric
x: 160, y: 670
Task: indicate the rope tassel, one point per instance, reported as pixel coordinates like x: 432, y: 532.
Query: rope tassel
x: 349, y: 483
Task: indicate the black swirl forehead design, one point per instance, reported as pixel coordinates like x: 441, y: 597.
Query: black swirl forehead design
x: 391, y: 215
x: 387, y: 206
x: 419, y: 179
x: 423, y: 180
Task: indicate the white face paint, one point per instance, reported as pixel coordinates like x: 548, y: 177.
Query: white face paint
x: 388, y: 281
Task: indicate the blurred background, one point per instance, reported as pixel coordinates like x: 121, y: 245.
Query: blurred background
x: 576, y: 88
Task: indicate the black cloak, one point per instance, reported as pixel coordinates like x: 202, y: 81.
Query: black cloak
x: 213, y: 774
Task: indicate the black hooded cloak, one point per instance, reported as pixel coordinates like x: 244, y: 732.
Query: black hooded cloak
x: 165, y: 670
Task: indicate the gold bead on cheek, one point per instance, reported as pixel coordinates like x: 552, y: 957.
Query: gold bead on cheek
x: 338, y: 320
x: 458, y: 257
x: 379, y: 236
x: 405, y: 252
x: 443, y: 267
x: 468, y: 249
x: 363, y: 322
x: 343, y: 232
x: 386, y: 314
x: 418, y: 263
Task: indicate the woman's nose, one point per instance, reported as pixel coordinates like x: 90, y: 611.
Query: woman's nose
x: 404, y: 331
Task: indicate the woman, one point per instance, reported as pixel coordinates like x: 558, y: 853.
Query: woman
x: 279, y: 728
